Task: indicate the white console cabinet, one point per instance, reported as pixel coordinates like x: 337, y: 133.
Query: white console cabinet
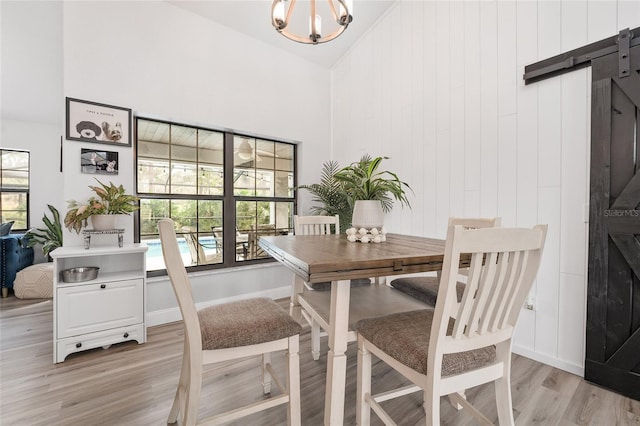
x: 97, y: 313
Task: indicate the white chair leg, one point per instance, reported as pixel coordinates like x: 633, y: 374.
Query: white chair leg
x: 363, y: 385
x: 431, y: 407
x: 293, y: 382
x: 315, y: 340
x: 266, y: 376
x: 503, y: 385
x: 192, y: 391
x: 178, y: 400
x: 457, y: 406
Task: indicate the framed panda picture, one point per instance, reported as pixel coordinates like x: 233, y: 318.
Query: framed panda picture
x: 99, y: 123
x: 98, y: 161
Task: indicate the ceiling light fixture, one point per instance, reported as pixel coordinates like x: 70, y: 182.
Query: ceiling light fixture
x: 281, y: 15
x: 245, y: 152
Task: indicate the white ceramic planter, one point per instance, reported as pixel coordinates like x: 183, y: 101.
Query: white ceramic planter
x: 367, y: 214
x: 103, y: 222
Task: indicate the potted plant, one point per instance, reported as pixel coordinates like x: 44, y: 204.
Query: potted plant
x: 50, y: 237
x: 371, y: 192
x: 110, y: 200
x: 334, y: 200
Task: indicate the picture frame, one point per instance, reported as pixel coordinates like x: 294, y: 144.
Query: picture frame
x: 99, y: 161
x: 98, y: 123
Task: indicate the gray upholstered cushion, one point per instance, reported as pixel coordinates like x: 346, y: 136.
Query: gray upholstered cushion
x: 405, y: 337
x: 243, y: 323
x: 425, y: 289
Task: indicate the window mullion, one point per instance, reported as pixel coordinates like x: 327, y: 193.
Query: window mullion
x: 228, y: 205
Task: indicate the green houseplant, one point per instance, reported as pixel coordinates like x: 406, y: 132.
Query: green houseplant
x: 109, y: 200
x: 371, y: 191
x: 50, y: 237
x: 340, y: 189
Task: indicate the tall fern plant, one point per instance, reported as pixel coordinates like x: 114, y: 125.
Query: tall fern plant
x: 331, y: 195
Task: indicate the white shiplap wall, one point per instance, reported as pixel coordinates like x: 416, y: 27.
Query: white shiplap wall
x: 437, y: 86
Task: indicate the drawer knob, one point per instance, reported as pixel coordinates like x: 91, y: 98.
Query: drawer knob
x: 78, y: 345
x: 125, y: 335
x: 103, y: 286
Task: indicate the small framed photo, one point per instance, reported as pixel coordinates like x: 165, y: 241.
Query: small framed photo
x: 93, y: 122
x: 99, y: 161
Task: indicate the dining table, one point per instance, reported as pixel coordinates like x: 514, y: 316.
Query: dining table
x: 323, y: 258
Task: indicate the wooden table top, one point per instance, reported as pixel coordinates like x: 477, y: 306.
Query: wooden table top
x: 319, y: 258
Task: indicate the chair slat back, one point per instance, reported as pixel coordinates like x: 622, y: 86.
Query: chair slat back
x: 316, y: 225
x: 475, y: 222
x: 504, y: 263
x: 180, y: 282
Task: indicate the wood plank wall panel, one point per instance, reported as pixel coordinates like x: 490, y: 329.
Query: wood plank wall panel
x: 507, y: 74
x: 549, y: 33
x: 628, y: 14
x: 443, y: 112
x: 489, y: 109
x: 430, y: 118
x: 438, y: 87
x: 574, y: 172
x: 457, y: 65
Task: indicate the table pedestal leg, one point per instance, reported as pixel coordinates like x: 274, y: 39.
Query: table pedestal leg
x: 336, y: 357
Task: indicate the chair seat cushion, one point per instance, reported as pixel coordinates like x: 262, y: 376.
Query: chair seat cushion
x: 405, y: 337
x: 425, y: 289
x: 243, y: 323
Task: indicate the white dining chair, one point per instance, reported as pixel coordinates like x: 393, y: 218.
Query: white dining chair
x: 225, y: 332
x: 312, y: 225
x: 425, y: 288
x: 457, y: 345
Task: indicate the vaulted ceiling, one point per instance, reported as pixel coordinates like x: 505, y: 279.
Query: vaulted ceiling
x: 252, y: 18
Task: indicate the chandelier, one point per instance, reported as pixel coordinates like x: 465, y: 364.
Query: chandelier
x: 281, y: 15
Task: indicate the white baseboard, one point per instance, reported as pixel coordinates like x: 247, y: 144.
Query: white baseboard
x: 173, y: 314
x: 570, y: 367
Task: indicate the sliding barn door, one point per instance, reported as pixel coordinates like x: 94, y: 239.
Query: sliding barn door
x: 613, y: 304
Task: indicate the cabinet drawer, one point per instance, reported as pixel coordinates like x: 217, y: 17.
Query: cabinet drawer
x: 87, y: 308
x: 70, y: 345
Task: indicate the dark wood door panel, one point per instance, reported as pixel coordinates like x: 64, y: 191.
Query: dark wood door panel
x: 613, y: 305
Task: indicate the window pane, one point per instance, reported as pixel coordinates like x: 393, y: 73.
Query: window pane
x: 153, y: 176
x: 284, y: 156
x: 244, y: 182
x: 15, y: 170
x: 264, y: 183
x: 284, y: 184
x: 153, y: 157
x: 14, y: 188
x: 243, y: 151
x: 260, y: 218
x: 151, y: 211
x: 210, y: 163
x: 183, y: 178
x: 265, y: 157
x: 13, y: 206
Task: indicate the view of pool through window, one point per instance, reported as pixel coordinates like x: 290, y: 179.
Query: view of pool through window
x: 154, y: 254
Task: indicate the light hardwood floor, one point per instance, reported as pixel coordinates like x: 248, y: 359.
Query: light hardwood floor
x: 131, y: 384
